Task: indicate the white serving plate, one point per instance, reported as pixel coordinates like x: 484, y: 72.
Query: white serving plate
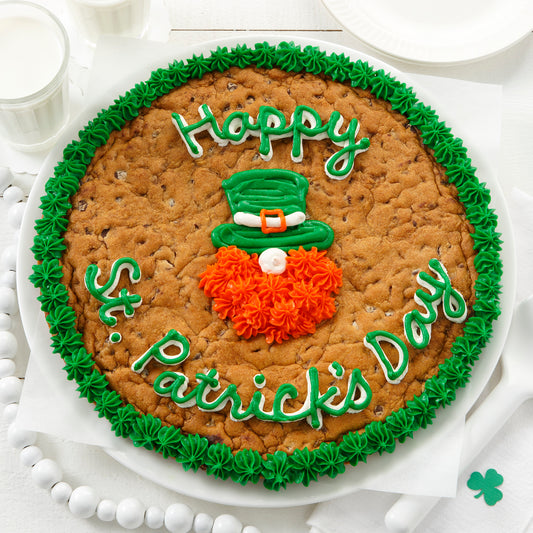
x: 165, y: 471
x: 437, y: 32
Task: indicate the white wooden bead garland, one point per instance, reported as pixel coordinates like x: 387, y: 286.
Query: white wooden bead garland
x: 83, y: 502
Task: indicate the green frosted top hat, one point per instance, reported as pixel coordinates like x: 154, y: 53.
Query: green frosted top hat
x: 253, y: 190
x: 268, y: 208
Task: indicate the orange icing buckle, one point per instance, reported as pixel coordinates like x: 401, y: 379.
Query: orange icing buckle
x: 278, y: 212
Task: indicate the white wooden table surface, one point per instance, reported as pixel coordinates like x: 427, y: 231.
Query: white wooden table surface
x: 26, y: 508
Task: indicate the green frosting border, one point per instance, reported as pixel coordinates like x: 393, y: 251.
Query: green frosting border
x: 192, y: 451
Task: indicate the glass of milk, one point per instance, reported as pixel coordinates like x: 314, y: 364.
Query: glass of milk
x: 34, y: 56
x: 127, y: 18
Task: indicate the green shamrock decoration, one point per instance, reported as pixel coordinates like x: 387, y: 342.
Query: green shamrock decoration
x: 487, y: 485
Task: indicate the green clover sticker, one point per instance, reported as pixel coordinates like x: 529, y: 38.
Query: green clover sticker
x: 487, y: 486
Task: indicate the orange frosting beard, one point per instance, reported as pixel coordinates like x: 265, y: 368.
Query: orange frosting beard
x: 279, y: 306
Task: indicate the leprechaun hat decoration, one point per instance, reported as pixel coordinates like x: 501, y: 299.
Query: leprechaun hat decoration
x: 271, y: 274
x: 268, y: 208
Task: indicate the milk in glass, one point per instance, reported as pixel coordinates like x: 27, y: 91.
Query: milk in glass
x: 33, y: 82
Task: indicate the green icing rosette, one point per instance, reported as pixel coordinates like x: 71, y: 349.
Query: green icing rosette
x: 219, y: 461
x: 108, y: 403
x: 169, y: 441
x: 192, y: 451
x: 123, y: 422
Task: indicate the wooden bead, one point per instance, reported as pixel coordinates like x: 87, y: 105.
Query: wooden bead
x: 203, y: 523
x: 8, y: 301
x: 179, y: 518
x: 13, y: 194
x: 8, y: 278
x: 30, y: 455
x: 10, y: 413
x: 227, y: 523
x: 8, y: 345
x: 251, y: 529
x: 20, y: 438
x: 8, y: 258
x: 46, y: 473
x: 7, y: 368
x: 130, y: 513
x: 61, y: 492
x: 154, y: 517
x: 83, y: 502
x: 5, y: 321
x: 10, y: 389
x: 106, y: 510
x: 15, y: 214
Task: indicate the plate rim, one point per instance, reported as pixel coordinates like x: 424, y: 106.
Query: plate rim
x: 382, y: 41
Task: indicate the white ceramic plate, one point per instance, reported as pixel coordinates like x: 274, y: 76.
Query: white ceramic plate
x: 440, y: 32
x: 165, y: 471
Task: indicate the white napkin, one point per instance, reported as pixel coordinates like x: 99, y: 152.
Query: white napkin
x: 63, y: 413
x: 521, y: 206
x: 509, y: 453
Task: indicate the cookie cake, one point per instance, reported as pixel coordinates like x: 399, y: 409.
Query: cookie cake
x: 268, y: 262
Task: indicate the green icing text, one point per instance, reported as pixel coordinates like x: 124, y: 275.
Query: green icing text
x: 270, y: 125
x: 417, y: 325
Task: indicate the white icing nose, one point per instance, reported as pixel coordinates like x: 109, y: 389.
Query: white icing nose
x: 273, y: 261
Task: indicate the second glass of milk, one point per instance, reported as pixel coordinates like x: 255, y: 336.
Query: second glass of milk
x: 127, y: 18
x: 34, y: 55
